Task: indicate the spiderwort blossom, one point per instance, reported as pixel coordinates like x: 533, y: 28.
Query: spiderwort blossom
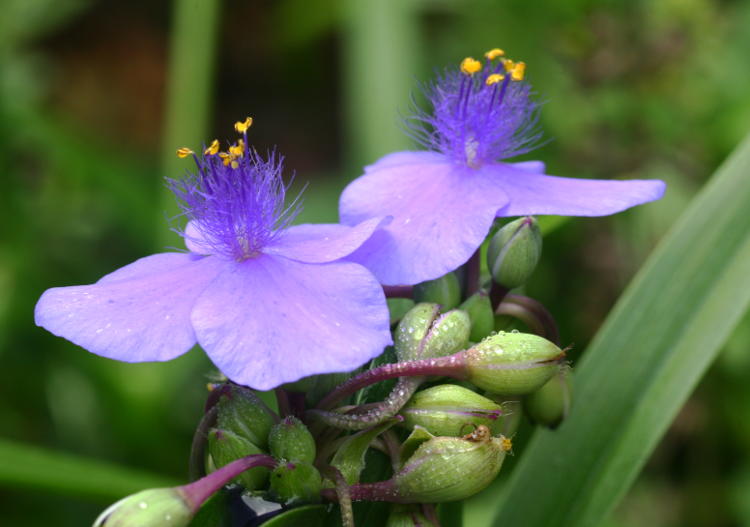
x: 268, y: 302
x: 444, y: 201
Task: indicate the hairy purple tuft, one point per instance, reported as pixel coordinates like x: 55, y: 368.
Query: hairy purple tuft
x: 473, y: 122
x: 236, y: 202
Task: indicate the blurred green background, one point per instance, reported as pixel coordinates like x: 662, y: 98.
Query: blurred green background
x: 96, y: 95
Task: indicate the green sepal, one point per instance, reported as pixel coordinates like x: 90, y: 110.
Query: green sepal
x: 444, y: 291
x: 550, y: 404
x: 296, y: 483
x: 242, y: 412
x: 479, y: 308
x: 225, y: 446
x: 514, y: 251
x: 418, y: 436
x: 290, y: 440
x: 350, y: 457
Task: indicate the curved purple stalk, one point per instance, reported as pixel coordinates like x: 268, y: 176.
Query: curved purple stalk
x: 378, y: 491
x: 398, y: 291
x: 198, y: 492
x: 532, y: 313
x: 449, y: 366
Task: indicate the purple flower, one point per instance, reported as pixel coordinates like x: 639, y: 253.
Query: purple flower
x: 269, y: 303
x: 444, y: 201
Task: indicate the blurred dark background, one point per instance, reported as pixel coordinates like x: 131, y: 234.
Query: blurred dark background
x: 96, y: 95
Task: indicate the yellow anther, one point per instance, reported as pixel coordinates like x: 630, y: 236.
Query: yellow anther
x: 494, y: 78
x: 212, y: 148
x: 469, y: 66
x: 235, y: 164
x: 238, y: 149
x: 183, y: 152
x: 508, y: 65
x: 506, y: 444
x: 226, y: 158
x: 242, y: 126
x: 518, y: 71
x: 494, y: 53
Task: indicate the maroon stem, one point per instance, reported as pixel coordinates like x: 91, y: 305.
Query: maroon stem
x: 379, y: 491
x: 497, y: 293
x: 473, y: 270
x: 398, y: 291
x: 197, y: 466
x: 541, y: 313
x: 198, y: 492
x: 450, y: 366
x: 282, y: 400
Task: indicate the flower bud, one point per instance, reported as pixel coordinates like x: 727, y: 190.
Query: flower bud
x: 408, y: 516
x: 451, y: 468
x: 242, y: 412
x: 550, y: 404
x: 512, y: 363
x: 423, y: 334
x: 296, y: 482
x: 447, y: 409
x: 479, y: 308
x: 290, y: 440
x: 445, y: 291
x: 166, y: 507
x: 225, y: 446
x: 514, y: 252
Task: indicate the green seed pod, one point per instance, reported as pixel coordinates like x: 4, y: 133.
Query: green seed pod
x: 445, y: 291
x: 290, y: 440
x: 479, y: 309
x: 451, y: 468
x: 423, y: 334
x: 226, y: 446
x: 408, y: 516
x: 450, y: 410
x: 512, y: 363
x: 514, y: 252
x: 296, y: 483
x: 166, y: 507
x: 550, y: 404
x: 242, y: 412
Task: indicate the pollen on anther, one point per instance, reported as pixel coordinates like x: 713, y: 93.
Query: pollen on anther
x: 508, y: 65
x: 238, y: 149
x: 242, y: 126
x: 470, y: 66
x: 183, y: 152
x: 213, y: 148
x: 506, y: 444
x: 518, y: 71
x: 494, y: 78
x: 494, y: 53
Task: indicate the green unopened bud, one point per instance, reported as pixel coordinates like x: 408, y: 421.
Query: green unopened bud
x: 445, y: 291
x: 550, y: 404
x: 423, y: 334
x: 225, y: 446
x: 408, y: 516
x: 242, y: 412
x: 296, y: 482
x: 290, y: 440
x: 512, y: 363
x: 479, y: 308
x: 167, y: 507
x: 449, y: 410
x: 514, y: 252
x: 451, y: 468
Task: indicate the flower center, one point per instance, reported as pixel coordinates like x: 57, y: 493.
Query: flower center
x: 482, y: 112
x: 235, y: 198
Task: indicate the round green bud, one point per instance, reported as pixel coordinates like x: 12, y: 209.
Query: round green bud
x: 514, y: 252
x: 166, y: 507
x: 290, y: 440
x: 242, y: 412
x: 225, y: 446
x: 550, y: 404
x: 479, y: 308
x: 451, y: 468
x: 408, y: 516
x: 424, y: 334
x: 296, y: 482
x: 450, y: 410
x: 445, y: 291
x: 512, y: 363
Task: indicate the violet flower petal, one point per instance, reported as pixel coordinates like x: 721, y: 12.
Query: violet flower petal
x: 269, y: 320
x: 322, y: 243
x: 536, y: 194
x: 441, y: 214
x: 138, y: 313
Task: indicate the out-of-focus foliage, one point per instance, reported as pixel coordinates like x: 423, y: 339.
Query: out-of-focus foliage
x: 633, y: 89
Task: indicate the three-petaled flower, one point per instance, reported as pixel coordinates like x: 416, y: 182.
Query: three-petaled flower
x: 443, y: 201
x: 268, y: 302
